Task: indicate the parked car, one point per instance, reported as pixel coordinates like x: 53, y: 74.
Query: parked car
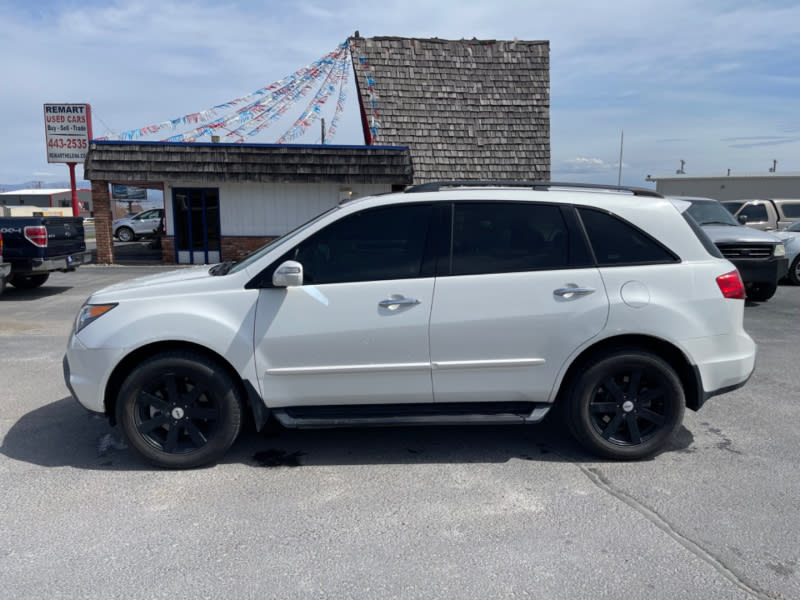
x: 445, y: 304
x: 765, y: 214
x: 5, y: 268
x: 38, y: 246
x: 143, y: 224
x: 759, y: 255
x: 791, y: 239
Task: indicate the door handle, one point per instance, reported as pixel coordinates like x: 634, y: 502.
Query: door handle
x: 397, y: 302
x: 568, y: 292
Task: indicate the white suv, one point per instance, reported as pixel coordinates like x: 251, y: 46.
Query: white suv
x: 449, y: 303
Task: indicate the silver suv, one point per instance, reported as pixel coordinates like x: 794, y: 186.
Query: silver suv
x: 449, y: 303
x: 143, y: 224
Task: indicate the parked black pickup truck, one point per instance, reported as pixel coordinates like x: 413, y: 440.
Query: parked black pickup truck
x: 5, y: 268
x: 37, y: 246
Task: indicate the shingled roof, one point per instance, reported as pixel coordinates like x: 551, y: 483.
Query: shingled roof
x: 148, y: 162
x: 467, y: 109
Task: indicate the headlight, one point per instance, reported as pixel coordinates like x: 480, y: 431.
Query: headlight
x: 91, y: 312
x: 780, y: 250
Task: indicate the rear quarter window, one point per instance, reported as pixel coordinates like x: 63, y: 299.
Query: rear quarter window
x: 616, y: 242
x: 791, y: 210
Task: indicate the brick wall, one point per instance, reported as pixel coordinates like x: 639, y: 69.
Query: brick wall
x: 233, y: 248
x: 168, y: 249
x: 101, y: 199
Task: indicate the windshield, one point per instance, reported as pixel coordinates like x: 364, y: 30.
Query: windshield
x: 710, y: 212
x: 256, y: 254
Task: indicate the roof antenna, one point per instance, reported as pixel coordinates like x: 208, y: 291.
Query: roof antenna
x: 681, y: 171
x: 774, y: 166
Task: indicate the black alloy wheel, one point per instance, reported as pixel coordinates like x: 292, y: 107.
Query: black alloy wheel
x: 179, y: 410
x: 626, y: 405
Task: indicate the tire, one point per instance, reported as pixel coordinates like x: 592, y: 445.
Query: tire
x: 125, y: 234
x: 28, y: 281
x: 179, y: 410
x: 761, y: 292
x: 794, y: 271
x: 625, y: 405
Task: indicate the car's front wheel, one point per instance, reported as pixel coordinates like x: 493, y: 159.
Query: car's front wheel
x: 125, y: 234
x: 761, y: 292
x: 179, y: 410
x: 625, y: 405
x: 794, y: 271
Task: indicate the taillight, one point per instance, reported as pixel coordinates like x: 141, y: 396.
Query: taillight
x: 36, y: 235
x: 1, y: 244
x: 731, y: 285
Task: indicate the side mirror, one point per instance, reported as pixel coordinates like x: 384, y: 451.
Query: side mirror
x: 742, y: 219
x: 288, y: 274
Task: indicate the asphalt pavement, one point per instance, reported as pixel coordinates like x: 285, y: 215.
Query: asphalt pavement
x: 430, y: 512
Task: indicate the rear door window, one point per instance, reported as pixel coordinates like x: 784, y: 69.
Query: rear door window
x: 498, y: 237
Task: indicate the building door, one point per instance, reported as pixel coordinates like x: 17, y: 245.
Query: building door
x: 196, y: 212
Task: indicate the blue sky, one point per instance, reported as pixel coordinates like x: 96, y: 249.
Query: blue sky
x: 714, y: 83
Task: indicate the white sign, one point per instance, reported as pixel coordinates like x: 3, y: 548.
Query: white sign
x: 68, y: 129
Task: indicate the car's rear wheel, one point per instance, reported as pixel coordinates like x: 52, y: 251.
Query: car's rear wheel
x: 794, y: 271
x: 625, y: 405
x: 761, y: 292
x: 179, y: 410
x: 125, y: 234
x: 28, y: 281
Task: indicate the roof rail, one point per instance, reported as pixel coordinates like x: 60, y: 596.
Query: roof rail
x: 436, y: 186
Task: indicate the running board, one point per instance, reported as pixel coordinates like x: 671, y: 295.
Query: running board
x: 306, y: 417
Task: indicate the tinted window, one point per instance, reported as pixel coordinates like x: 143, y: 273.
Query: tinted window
x: 492, y: 237
x: 710, y: 212
x: 382, y: 243
x: 755, y: 212
x: 616, y: 242
x: 792, y: 210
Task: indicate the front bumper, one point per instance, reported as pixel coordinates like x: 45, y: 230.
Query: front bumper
x: 762, y: 271
x: 86, y: 373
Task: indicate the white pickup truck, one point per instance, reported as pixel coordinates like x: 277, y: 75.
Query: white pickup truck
x: 766, y: 214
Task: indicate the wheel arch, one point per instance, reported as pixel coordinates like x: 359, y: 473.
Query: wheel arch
x: 687, y: 373
x: 246, y: 390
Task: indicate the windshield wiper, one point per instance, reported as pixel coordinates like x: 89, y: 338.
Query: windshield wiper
x: 718, y: 223
x: 222, y: 268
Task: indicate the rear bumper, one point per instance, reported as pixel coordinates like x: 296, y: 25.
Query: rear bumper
x: 5, y: 269
x: 724, y: 363
x: 68, y: 262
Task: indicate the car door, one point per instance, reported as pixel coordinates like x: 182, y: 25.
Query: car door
x: 519, y: 296
x: 356, y: 331
x: 146, y: 222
